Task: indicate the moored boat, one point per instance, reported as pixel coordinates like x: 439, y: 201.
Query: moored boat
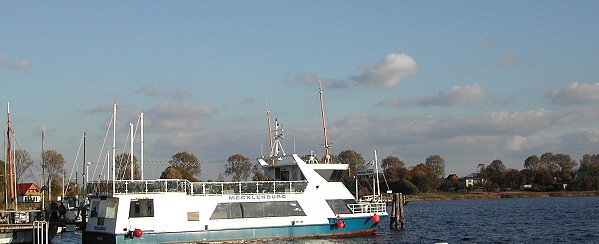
x: 299, y: 200
x: 182, y: 211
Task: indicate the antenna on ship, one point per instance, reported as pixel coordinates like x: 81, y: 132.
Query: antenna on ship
x: 277, y: 151
x: 327, y: 146
x: 270, y: 138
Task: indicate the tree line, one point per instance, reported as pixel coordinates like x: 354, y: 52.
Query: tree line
x: 547, y: 172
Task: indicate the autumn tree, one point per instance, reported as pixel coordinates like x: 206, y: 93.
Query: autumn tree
x: 183, y: 165
x: 495, y: 173
x: 533, y: 163
x: 437, y: 164
x: 220, y: 177
x: 396, y: 173
x: 53, y: 164
x: 565, y: 166
x: 353, y: 159
x: 239, y: 167
x: 514, y: 179
x: 590, y: 163
x: 23, y: 163
x: 259, y: 174
x: 392, y: 161
x: 549, y: 162
x: 123, y: 167
x: 172, y: 172
x: 424, y: 178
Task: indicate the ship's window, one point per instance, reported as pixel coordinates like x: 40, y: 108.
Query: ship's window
x: 100, y: 221
x: 111, y: 209
x: 337, y: 175
x: 257, y: 210
x: 339, y: 206
x: 94, y: 208
x: 141, y: 208
x: 227, y: 211
x: 277, y: 173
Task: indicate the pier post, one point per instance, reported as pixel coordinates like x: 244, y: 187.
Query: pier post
x: 397, y: 221
x: 402, y: 200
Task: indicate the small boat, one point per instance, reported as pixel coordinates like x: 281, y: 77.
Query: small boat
x: 299, y: 200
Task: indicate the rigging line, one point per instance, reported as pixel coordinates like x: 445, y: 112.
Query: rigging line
x: 74, y: 165
x: 136, y: 127
x: 102, y: 149
x: 125, y: 146
x: 385, y: 179
x: 103, y: 165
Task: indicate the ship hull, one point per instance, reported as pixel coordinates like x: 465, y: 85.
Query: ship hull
x: 353, y: 226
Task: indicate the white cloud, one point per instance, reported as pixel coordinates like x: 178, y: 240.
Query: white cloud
x: 507, y: 59
x: 309, y: 79
x: 157, y: 91
x: 463, y: 142
x: 107, y: 108
x: 575, y: 93
x: 248, y: 100
x: 151, y: 91
x: 393, y: 101
x: 167, y: 117
x: 455, y: 96
x: 19, y: 64
x: 388, y: 72
x: 181, y: 94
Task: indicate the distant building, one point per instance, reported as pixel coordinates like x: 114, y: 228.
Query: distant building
x: 452, y: 178
x: 470, y: 180
x: 28, y: 192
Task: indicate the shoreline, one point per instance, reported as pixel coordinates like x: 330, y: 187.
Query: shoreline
x: 497, y: 195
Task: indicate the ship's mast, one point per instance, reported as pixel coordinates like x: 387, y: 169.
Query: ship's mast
x: 141, y: 149
x: 131, y: 152
x: 84, y: 169
x: 9, y: 159
x: 114, y: 107
x: 269, y: 130
x: 327, y: 156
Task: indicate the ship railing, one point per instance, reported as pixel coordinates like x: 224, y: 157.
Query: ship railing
x: 374, y: 207
x: 195, y: 188
x: 138, y: 186
x: 250, y: 187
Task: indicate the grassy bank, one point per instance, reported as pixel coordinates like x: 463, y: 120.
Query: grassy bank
x: 497, y: 195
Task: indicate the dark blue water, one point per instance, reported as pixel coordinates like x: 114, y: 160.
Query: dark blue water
x: 524, y: 220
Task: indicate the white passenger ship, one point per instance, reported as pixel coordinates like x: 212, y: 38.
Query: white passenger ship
x: 156, y: 211
x: 301, y: 199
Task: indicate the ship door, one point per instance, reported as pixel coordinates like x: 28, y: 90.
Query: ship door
x: 285, y: 175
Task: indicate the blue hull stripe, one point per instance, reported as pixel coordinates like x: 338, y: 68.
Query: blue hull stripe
x: 361, y: 225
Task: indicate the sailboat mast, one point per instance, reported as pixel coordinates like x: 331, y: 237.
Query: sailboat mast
x: 9, y: 159
x: 131, y: 151
x: 114, y: 107
x: 327, y: 157
x: 141, y: 149
x: 84, y: 168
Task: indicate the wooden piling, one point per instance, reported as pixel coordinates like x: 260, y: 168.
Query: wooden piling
x: 397, y: 221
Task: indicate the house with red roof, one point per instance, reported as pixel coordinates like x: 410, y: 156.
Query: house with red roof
x: 28, y: 192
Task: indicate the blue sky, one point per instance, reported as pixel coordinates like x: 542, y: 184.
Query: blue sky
x: 471, y: 81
